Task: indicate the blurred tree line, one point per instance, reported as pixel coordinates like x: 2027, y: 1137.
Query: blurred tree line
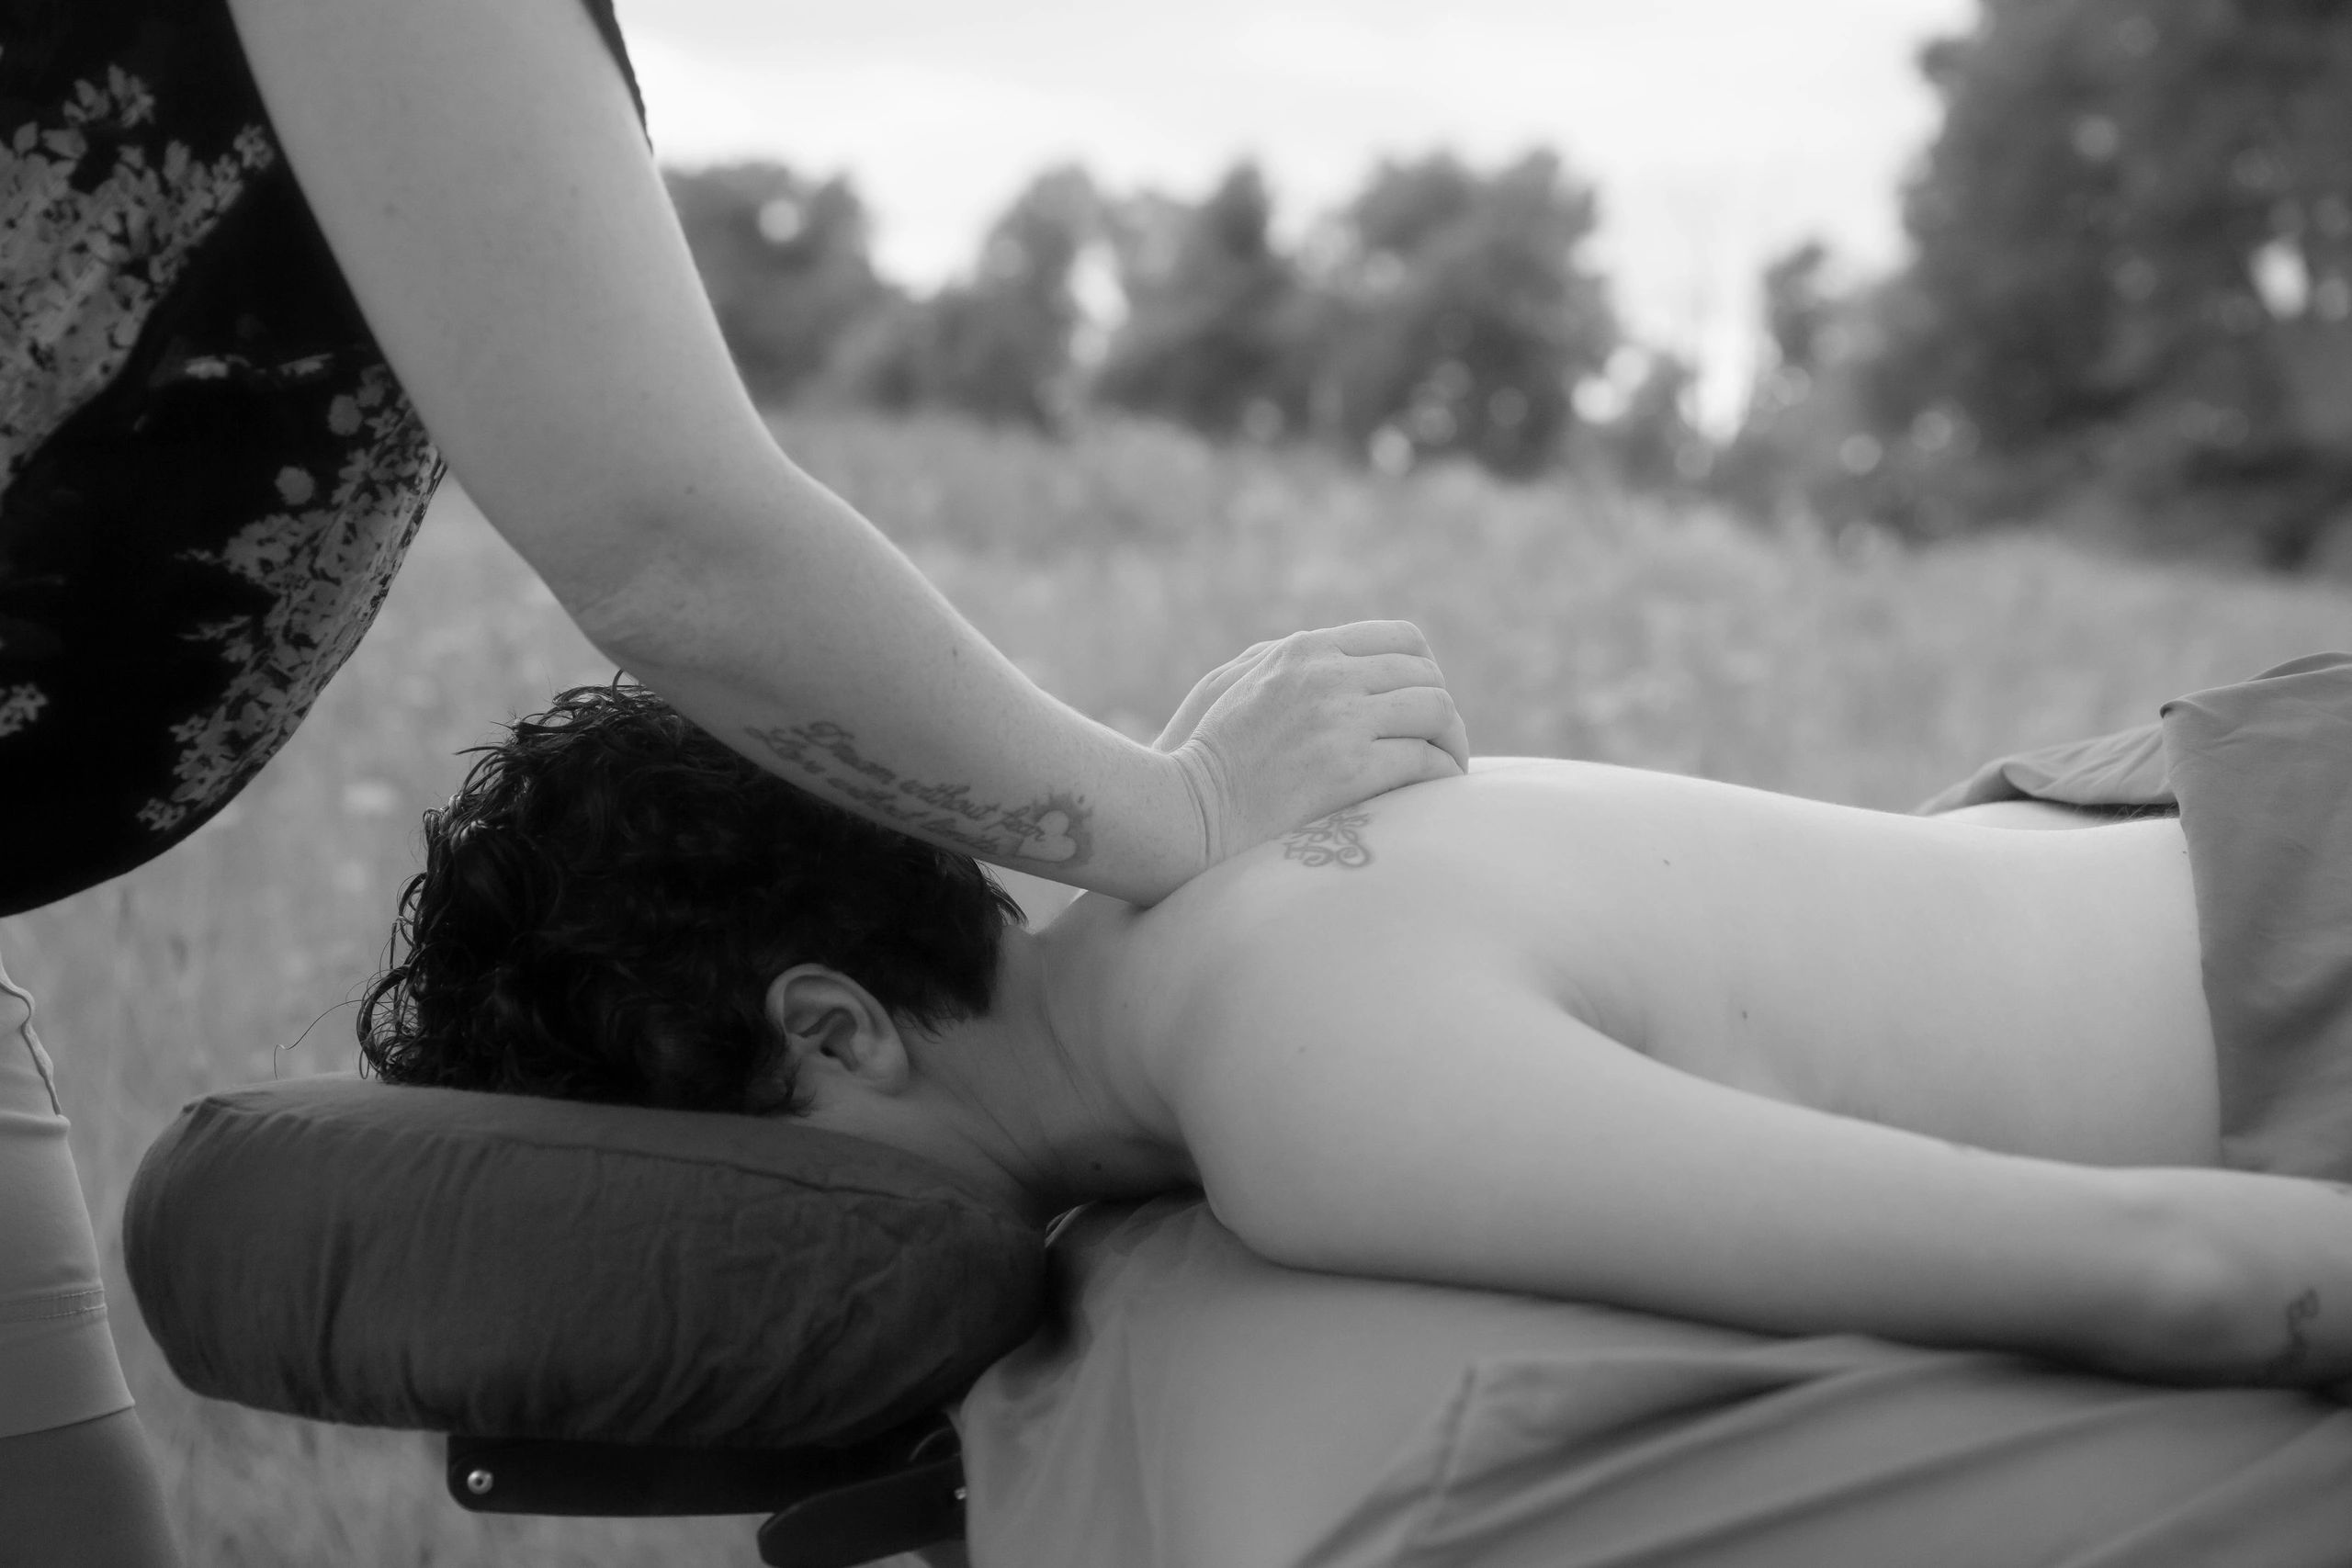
x: 2129, y: 309
x: 1443, y: 311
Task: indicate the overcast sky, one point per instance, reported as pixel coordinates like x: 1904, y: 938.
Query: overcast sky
x: 1718, y: 132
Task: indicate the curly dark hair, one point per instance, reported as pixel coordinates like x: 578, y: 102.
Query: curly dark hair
x: 608, y: 893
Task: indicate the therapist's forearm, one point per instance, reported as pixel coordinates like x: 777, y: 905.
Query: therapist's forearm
x: 521, y: 268
x: 770, y: 613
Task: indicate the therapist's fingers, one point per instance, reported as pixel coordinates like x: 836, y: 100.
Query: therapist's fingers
x: 1309, y: 728
x: 1410, y: 763
x: 1362, y: 638
x: 1422, y: 704
x: 1421, y: 713
x: 1371, y: 656
x: 1392, y: 671
x: 1388, y: 656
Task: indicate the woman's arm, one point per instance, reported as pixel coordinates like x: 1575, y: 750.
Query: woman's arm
x: 481, y: 177
x: 1441, y: 1120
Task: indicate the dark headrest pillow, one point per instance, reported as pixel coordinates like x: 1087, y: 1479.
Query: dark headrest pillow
x: 503, y: 1266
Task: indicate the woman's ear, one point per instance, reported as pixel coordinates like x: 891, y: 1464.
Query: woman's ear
x: 834, y: 1033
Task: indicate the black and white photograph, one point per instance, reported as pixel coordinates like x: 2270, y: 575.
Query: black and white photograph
x: 1279, y: 784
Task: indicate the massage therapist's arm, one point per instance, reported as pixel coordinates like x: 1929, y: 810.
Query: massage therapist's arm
x: 1452, y: 1124
x: 481, y: 177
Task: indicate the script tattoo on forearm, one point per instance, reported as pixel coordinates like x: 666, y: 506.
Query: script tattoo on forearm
x: 1051, y: 830
x: 1336, y: 839
x: 2283, y: 1366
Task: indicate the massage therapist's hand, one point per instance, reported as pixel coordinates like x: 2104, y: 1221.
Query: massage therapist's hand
x: 1297, y: 729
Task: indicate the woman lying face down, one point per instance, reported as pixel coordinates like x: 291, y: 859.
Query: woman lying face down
x: 1553, y: 1027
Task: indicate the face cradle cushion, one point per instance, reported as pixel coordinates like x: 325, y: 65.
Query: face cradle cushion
x: 508, y: 1267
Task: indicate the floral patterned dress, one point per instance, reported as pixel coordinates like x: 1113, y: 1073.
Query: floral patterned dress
x: 207, y: 473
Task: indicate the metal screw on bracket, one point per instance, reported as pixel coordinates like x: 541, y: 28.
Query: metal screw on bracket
x: 480, y: 1480
x: 959, y: 1493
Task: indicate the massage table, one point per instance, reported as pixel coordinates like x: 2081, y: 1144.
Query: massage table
x: 621, y: 1312
x: 611, y: 1309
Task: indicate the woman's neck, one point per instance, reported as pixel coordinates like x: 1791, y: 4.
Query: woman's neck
x: 1047, y: 1097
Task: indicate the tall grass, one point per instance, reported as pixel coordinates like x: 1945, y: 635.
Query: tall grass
x: 1115, y: 568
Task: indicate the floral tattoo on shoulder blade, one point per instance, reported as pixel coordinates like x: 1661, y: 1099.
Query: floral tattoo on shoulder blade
x: 1336, y: 839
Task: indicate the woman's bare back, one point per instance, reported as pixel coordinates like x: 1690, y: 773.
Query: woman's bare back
x: 1686, y: 1048
x: 2031, y: 992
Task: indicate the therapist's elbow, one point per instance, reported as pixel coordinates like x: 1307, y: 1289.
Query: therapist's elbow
x: 637, y: 620
x: 656, y: 604
x: 647, y: 558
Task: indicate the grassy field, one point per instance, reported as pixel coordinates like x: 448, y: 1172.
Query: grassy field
x: 1115, y: 569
